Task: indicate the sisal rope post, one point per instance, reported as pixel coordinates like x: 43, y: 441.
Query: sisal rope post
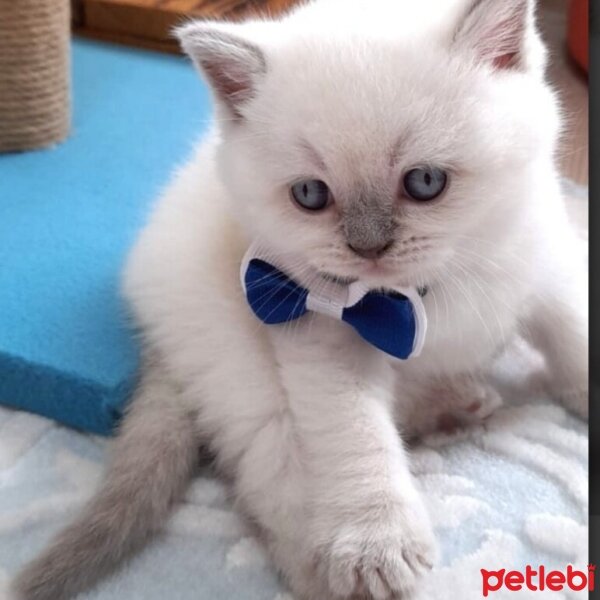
x: 35, y: 106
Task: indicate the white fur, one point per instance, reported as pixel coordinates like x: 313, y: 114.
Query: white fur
x: 301, y: 416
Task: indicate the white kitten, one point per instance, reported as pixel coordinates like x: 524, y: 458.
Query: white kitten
x: 424, y: 137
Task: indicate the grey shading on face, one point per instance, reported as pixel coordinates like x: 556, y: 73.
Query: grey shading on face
x: 368, y: 223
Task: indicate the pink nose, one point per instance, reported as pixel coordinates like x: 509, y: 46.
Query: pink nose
x: 373, y: 252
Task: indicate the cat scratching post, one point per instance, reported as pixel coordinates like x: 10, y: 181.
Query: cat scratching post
x: 34, y: 73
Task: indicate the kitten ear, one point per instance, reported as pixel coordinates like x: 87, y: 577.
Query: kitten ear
x: 496, y: 31
x: 231, y: 64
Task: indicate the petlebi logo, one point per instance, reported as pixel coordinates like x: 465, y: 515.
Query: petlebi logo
x: 538, y: 580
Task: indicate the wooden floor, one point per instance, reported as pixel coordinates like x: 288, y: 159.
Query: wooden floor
x: 572, y: 86
x: 150, y: 23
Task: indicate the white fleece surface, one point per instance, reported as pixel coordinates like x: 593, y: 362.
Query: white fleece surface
x: 511, y: 493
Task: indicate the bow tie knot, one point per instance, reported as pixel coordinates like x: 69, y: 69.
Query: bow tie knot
x: 393, y: 321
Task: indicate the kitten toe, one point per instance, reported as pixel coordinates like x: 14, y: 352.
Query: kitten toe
x: 380, y: 559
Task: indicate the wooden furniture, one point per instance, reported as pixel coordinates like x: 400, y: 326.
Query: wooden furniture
x: 578, y: 34
x: 149, y: 23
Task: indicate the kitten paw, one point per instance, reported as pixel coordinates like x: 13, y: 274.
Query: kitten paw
x: 450, y: 406
x: 379, y: 560
x: 470, y: 409
x: 576, y: 400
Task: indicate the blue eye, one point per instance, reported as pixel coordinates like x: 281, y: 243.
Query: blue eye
x: 311, y: 194
x: 425, y: 183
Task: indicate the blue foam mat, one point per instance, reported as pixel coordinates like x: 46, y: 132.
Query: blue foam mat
x: 67, y: 218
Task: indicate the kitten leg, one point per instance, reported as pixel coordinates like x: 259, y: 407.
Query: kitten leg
x: 557, y: 325
x: 364, y: 527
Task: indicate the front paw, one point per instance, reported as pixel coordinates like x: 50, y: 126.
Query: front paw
x: 379, y: 556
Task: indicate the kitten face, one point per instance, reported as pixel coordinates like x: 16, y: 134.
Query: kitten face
x: 359, y: 114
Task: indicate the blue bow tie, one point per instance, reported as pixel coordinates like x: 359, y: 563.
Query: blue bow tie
x: 389, y: 321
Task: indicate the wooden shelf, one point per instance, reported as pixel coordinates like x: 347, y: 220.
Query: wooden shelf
x: 149, y: 23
